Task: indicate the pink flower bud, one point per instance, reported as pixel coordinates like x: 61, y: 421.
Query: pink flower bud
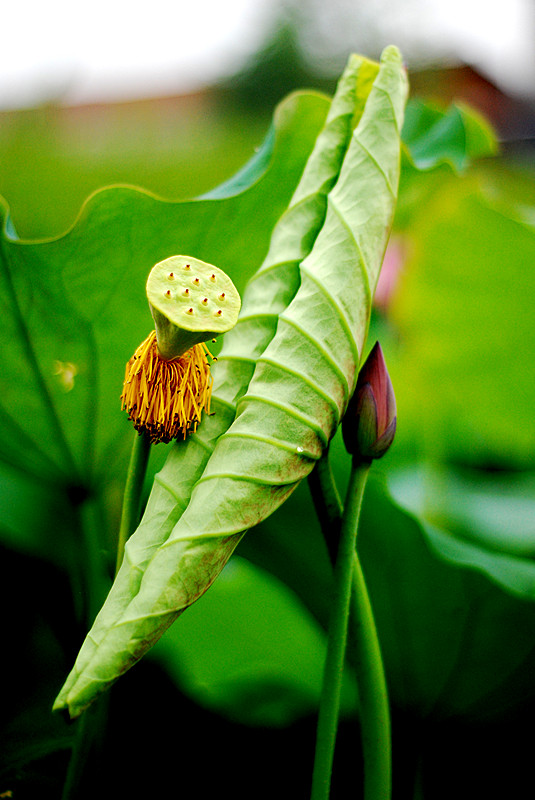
x: 369, y: 424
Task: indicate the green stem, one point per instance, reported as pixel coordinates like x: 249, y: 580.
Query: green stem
x: 95, y: 567
x: 137, y: 469
x: 92, y: 724
x: 364, y: 643
x: 337, y: 636
x: 374, y: 707
x: 87, y: 745
x: 327, y: 503
x: 90, y: 728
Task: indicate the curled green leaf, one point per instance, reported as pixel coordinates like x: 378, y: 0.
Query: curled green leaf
x: 286, y: 374
x: 268, y: 293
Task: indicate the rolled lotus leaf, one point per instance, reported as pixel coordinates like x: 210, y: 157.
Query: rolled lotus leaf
x: 302, y: 380
x: 267, y: 294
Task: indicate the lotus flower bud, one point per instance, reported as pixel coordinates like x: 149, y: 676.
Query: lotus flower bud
x: 369, y: 424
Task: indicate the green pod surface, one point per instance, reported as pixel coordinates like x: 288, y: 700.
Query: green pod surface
x: 190, y: 302
x: 303, y: 373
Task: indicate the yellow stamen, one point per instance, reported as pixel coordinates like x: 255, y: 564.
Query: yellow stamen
x: 167, y: 398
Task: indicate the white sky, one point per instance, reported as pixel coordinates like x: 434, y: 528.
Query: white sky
x: 122, y: 49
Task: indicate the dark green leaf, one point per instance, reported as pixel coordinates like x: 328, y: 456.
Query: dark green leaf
x: 456, y: 136
x: 455, y: 621
x: 249, y: 649
x: 454, y: 637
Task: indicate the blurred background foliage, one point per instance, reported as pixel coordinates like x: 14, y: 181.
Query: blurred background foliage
x: 448, y: 533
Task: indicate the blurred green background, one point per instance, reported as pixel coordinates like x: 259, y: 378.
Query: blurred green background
x: 448, y: 535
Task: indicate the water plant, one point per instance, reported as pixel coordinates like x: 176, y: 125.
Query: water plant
x: 224, y: 441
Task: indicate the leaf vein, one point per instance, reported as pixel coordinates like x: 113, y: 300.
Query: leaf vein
x: 338, y: 308
x: 167, y: 487
x: 249, y: 317
x: 380, y: 169
x: 324, y: 353
x: 389, y: 98
x: 353, y: 239
x: 312, y: 384
x: 239, y: 477
x: 282, y: 445
x: 290, y: 410
x: 225, y: 403
x: 269, y: 268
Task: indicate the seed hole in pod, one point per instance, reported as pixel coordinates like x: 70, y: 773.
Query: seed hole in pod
x: 222, y: 296
x: 189, y: 311
x: 205, y: 301
x: 185, y: 292
x: 212, y: 277
x: 219, y: 312
x: 168, y: 293
x: 171, y: 276
x: 187, y: 266
x: 196, y: 281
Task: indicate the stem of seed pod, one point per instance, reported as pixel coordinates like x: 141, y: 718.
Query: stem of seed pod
x: 88, y: 741
x: 137, y: 469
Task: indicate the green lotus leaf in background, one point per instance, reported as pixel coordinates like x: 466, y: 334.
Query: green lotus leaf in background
x: 297, y: 396
x: 76, y: 299
x: 457, y: 135
x: 73, y: 313
x: 250, y: 650
x: 456, y: 639
x: 455, y: 620
x: 464, y: 369
x: 441, y: 146
x: 494, y: 510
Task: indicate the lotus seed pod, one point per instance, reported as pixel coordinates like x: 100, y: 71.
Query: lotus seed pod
x: 167, y: 383
x: 190, y: 302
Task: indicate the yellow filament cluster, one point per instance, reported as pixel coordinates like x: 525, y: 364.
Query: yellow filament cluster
x: 167, y: 398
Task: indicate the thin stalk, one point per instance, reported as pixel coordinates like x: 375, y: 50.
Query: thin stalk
x: 91, y: 726
x: 92, y: 723
x: 87, y: 745
x: 374, y: 707
x: 327, y: 503
x: 137, y: 469
x: 95, y: 573
x: 363, y: 643
x: 337, y: 636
